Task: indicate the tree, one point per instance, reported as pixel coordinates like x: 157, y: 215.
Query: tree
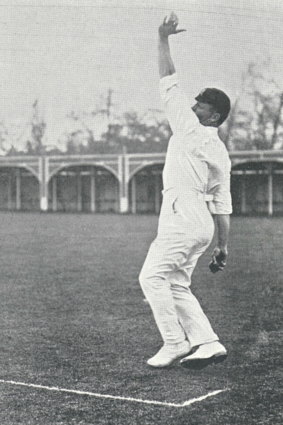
x: 4, y: 135
x: 255, y: 120
x: 148, y: 132
x: 126, y: 132
x: 82, y: 139
x: 34, y: 145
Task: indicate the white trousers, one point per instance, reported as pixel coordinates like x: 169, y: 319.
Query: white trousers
x: 166, y: 274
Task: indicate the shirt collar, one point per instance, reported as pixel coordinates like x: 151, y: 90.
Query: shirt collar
x: 213, y: 131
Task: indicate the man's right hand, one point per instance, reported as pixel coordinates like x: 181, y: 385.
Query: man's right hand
x: 169, y: 26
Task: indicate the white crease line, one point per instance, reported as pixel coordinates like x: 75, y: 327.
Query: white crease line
x: 203, y: 397
x: 116, y: 397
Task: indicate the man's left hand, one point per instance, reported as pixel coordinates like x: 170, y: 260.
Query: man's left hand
x: 218, y: 262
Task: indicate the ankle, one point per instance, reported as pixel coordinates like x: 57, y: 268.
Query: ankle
x: 176, y: 345
x: 210, y: 342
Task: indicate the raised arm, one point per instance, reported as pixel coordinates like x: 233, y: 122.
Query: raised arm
x: 165, y: 62
x: 177, y: 108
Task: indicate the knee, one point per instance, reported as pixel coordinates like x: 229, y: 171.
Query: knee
x: 143, y: 279
x: 146, y: 279
x: 150, y: 282
x: 180, y: 288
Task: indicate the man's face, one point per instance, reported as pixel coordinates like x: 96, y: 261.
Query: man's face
x: 205, y: 113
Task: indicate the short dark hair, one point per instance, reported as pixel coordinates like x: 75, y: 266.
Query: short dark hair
x: 218, y: 99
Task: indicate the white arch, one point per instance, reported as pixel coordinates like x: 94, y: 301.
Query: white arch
x: 75, y: 164
x: 27, y: 167
x: 142, y: 166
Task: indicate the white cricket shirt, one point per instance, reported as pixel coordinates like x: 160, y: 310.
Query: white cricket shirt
x: 196, y: 160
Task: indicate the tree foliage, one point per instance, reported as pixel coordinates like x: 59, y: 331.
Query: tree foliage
x: 129, y: 133
x: 255, y: 122
x: 256, y: 117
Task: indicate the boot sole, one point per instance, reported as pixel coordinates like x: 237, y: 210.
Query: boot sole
x: 171, y: 363
x: 202, y: 363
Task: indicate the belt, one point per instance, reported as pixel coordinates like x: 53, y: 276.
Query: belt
x: 205, y: 196
x: 200, y: 195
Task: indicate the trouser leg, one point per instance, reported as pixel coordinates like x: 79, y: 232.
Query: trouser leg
x: 163, y: 257
x: 195, y: 323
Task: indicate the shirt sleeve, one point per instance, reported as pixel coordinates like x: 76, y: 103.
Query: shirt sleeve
x: 222, y: 201
x: 177, y: 107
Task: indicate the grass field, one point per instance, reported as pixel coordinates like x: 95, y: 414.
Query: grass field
x: 72, y: 315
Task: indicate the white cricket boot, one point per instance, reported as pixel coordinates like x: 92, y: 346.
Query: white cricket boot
x: 204, y: 355
x: 169, y: 353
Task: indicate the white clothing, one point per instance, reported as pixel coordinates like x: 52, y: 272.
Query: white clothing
x: 165, y: 279
x: 196, y: 159
x: 197, y: 169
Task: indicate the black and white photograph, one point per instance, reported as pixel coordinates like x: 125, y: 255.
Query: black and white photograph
x: 141, y: 212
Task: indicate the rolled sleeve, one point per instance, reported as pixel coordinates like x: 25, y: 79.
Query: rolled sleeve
x: 222, y: 203
x: 222, y: 200
x: 167, y: 85
x: 177, y: 108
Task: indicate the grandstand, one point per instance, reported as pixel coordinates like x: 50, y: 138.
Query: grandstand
x: 128, y: 183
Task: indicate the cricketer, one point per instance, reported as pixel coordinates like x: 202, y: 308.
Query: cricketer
x: 196, y: 201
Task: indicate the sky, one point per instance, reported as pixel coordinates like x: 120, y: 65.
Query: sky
x: 68, y: 53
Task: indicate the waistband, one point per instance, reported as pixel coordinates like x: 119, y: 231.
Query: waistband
x: 207, y: 197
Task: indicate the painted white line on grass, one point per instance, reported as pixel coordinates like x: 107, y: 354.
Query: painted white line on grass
x: 116, y: 397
